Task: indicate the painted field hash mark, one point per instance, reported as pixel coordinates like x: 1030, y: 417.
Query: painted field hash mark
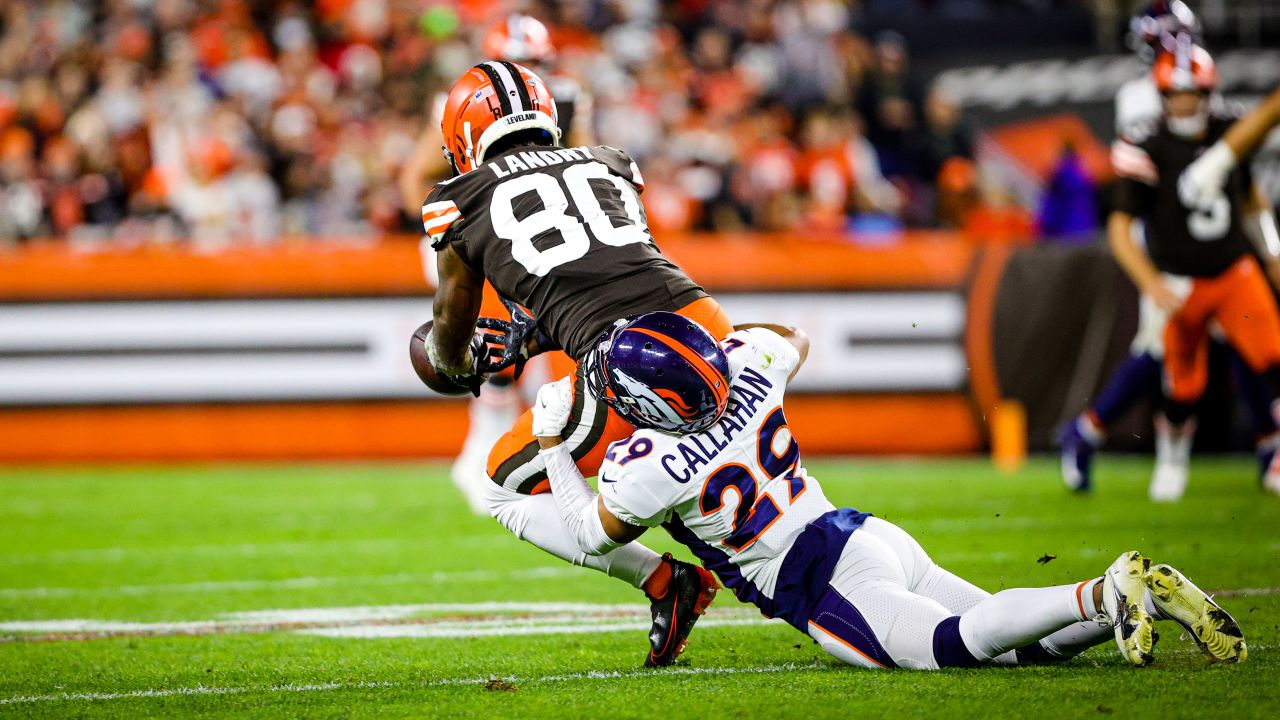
x: 322, y: 687
x: 430, y: 620
x: 295, y: 583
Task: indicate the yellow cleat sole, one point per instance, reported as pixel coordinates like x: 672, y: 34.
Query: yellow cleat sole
x: 1138, y: 648
x: 1211, y: 627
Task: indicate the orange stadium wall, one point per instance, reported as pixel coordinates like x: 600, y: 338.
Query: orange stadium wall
x: 297, y: 350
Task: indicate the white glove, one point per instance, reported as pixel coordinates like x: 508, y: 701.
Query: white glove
x: 552, y: 408
x: 1200, y: 185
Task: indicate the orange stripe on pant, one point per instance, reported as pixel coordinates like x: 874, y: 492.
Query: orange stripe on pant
x: 520, y: 440
x: 1240, y: 300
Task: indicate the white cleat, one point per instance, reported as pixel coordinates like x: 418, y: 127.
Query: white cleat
x: 1271, y: 478
x: 1168, y: 482
x: 491, y: 415
x: 471, y: 479
x: 1123, y: 588
x: 1213, y: 629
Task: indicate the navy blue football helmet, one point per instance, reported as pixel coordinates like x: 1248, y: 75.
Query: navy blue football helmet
x: 1156, y: 26
x: 661, y: 371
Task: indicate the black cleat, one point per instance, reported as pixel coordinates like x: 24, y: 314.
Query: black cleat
x: 691, y: 590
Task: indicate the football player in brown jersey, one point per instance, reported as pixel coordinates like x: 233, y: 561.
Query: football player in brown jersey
x: 1201, y: 261
x: 561, y: 233
x: 521, y: 39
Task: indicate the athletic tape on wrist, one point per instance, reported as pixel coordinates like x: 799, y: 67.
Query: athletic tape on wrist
x: 468, y: 358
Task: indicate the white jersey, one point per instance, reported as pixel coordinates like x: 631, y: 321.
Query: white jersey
x: 736, y: 493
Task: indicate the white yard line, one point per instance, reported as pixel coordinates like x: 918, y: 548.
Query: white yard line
x: 428, y: 620
x: 1245, y: 592
x: 460, y: 630
x: 322, y: 687
x: 589, y: 676
x: 363, y: 612
x: 223, y: 550
x: 298, y: 583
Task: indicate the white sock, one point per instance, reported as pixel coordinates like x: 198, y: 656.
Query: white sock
x: 1015, y: 618
x: 494, y: 412
x: 1173, y: 442
x: 535, y: 519
x: 1072, y: 640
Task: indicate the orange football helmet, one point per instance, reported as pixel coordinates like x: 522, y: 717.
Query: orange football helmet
x: 1189, y: 68
x: 490, y: 101
x: 519, y: 38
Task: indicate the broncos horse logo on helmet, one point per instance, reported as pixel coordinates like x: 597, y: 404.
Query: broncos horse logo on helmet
x: 662, y: 371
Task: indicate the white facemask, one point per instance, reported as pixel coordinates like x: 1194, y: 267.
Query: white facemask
x: 1191, y: 126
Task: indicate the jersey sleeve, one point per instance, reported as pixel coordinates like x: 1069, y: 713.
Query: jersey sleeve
x: 439, y: 215
x: 636, y: 493
x: 620, y: 164
x: 1136, y: 177
x: 771, y: 350
x: 1131, y: 161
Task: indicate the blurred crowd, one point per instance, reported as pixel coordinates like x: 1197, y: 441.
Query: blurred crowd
x: 142, y: 121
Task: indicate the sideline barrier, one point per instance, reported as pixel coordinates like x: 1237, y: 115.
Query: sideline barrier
x: 297, y: 350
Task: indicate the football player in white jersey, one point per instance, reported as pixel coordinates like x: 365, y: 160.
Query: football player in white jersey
x: 715, y: 464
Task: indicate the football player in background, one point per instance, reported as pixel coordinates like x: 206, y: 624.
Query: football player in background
x: 713, y: 462
x: 1199, y: 263
x: 1153, y: 31
x: 560, y: 233
x: 520, y: 39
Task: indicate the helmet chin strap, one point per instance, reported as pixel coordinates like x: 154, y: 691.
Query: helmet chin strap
x: 453, y: 166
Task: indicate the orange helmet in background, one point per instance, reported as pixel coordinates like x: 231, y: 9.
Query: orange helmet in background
x: 1187, y: 69
x: 518, y: 38
x: 490, y: 101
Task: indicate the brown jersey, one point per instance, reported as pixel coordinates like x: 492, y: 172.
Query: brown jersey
x: 562, y: 232
x: 1181, y: 241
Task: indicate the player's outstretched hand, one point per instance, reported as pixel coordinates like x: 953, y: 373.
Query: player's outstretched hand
x: 512, y: 342
x: 552, y: 407
x: 1165, y: 298
x: 500, y: 353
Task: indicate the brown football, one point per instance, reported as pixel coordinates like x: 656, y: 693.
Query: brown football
x: 426, y: 371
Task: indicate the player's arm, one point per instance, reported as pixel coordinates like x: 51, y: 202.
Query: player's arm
x: 580, y: 130
x: 1202, y: 182
x: 1260, y: 226
x: 1247, y: 133
x: 427, y: 161
x: 797, y: 337
x: 1137, y: 178
x: 457, y: 305
x: 1135, y: 262
x: 593, y: 527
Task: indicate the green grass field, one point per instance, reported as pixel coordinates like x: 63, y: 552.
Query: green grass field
x: 368, y: 591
